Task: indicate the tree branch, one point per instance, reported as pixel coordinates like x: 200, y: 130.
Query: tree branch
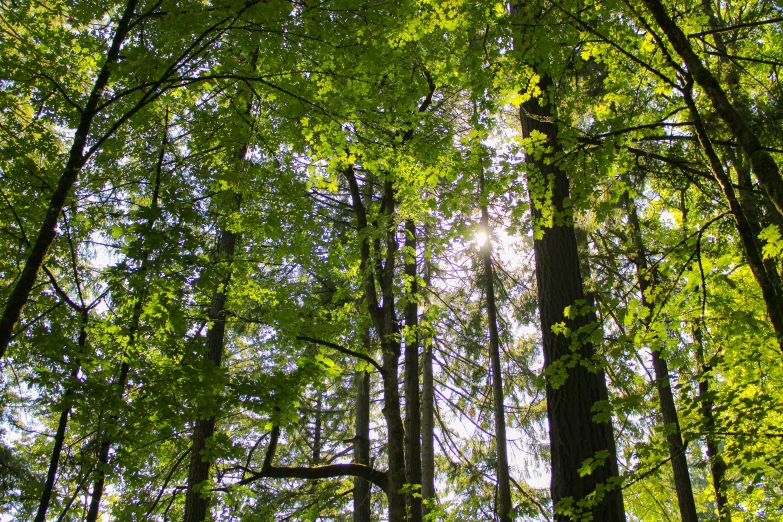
x: 346, y: 351
x: 379, y: 478
x: 321, y: 472
x: 737, y: 26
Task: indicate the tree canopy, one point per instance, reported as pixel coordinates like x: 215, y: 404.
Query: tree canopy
x: 412, y: 260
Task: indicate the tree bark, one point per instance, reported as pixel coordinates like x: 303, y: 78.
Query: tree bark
x: 104, y: 439
x: 361, y: 446
x: 385, y: 322
x: 679, y: 460
x: 764, y: 166
x: 575, y: 381
x: 196, y: 502
x: 769, y: 284
x: 717, y: 464
x: 504, y: 505
x: 412, y: 398
x: 21, y: 292
x: 59, y: 437
x: 427, y: 412
x: 317, y: 429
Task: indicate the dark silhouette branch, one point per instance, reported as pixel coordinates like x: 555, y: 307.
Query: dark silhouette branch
x: 379, y: 478
x: 345, y: 351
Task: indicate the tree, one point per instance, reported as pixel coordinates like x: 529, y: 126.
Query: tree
x: 243, y: 276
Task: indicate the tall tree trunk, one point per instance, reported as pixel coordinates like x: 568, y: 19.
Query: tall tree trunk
x: 427, y: 409
x: 73, y: 166
x: 385, y: 321
x: 769, y: 283
x: 196, y: 501
x: 762, y: 162
x: 715, y: 459
x: 575, y: 382
x: 679, y: 460
x: 412, y: 398
x: 504, y: 505
x: 361, y: 446
x: 105, y: 444
x: 62, y: 424
x: 396, y: 433
x: 104, y: 438
x: 317, y: 429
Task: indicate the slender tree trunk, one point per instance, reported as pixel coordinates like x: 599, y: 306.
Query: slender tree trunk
x: 427, y: 412
x: 396, y: 434
x: 575, y: 382
x: 762, y: 162
x: 715, y: 459
x: 769, y: 284
x: 76, y: 158
x: 196, y: 501
x: 385, y: 321
x: 59, y: 437
x: 105, y: 440
x: 504, y: 505
x: 361, y: 446
x: 317, y: 429
x: 412, y: 398
x: 105, y: 445
x: 679, y: 460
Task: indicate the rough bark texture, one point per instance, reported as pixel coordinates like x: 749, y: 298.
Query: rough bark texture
x: 716, y: 462
x: 48, y: 231
x: 412, y: 398
x: 679, y: 460
x: 380, y: 267
x: 768, y: 282
x: 59, y: 437
x: 764, y: 166
x: 105, y: 441
x: 197, y: 503
x: 361, y: 447
x: 504, y: 486
x: 574, y: 384
x: 427, y: 416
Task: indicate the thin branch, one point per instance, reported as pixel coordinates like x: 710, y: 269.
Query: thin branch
x: 379, y: 478
x: 346, y: 351
x: 737, y: 26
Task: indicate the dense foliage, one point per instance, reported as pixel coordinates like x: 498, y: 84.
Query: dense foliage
x: 293, y: 260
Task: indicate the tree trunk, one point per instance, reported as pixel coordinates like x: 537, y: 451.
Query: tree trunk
x: 385, y: 321
x: 427, y: 413
x: 104, y: 438
x: 412, y: 399
x: 396, y: 434
x: 317, y: 429
x: 361, y: 446
x: 716, y: 462
x: 762, y: 162
x: 196, y: 502
x: 105, y: 445
x: 769, y: 284
x: 21, y: 292
x: 679, y: 459
x: 59, y: 437
x: 504, y: 505
x: 575, y: 382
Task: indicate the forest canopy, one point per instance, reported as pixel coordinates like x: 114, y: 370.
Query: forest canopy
x: 409, y: 260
